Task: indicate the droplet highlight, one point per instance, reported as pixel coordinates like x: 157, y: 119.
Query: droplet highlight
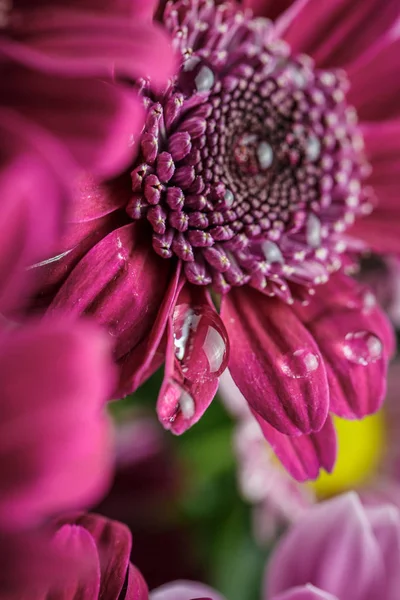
x: 362, y: 347
x: 272, y: 252
x: 200, y: 341
x: 300, y: 364
x: 204, y: 79
x: 313, y: 231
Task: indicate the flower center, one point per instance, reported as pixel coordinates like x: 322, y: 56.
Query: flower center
x: 251, y: 164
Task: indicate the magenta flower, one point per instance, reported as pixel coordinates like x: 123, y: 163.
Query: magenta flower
x: 101, y: 549
x: 55, y: 438
x: 348, y: 552
x: 60, y: 114
x: 253, y: 166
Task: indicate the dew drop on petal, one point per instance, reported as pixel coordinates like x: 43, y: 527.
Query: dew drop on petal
x: 187, y: 405
x: 313, y: 231
x: 265, y: 155
x: 200, y: 342
x: 362, y: 347
x: 204, y: 79
x: 272, y: 252
x: 229, y: 198
x: 300, y: 364
x: 313, y: 148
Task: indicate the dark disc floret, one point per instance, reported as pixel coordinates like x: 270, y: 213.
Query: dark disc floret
x: 251, y: 163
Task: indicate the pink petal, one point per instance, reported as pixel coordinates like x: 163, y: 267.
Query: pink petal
x: 137, y: 587
x: 336, y: 32
x: 306, y: 592
x: 56, y: 446
x: 121, y: 282
x: 35, y: 175
x: 84, y: 580
x: 271, y: 9
x: 75, y: 43
x: 93, y: 199
x: 51, y: 273
x: 377, y: 70
x: 275, y: 362
x: 354, y: 338
x: 184, y: 590
x: 197, y: 353
x: 385, y: 522
x: 332, y: 547
x: 113, y: 542
x: 380, y: 231
x: 94, y: 119
x: 303, y: 455
x: 149, y: 355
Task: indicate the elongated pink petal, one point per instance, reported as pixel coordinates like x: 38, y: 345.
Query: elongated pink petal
x: 184, y: 590
x: 93, y: 200
x: 336, y: 32
x: 121, y: 282
x: 332, y: 547
x: 75, y: 43
x: 136, y: 587
x: 379, y: 231
x: 149, y: 355
x: 125, y: 8
x: 377, y: 69
x: 196, y: 354
x: 385, y: 523
x: 35, y: 175
x: 83, y: 581
x: 56, y: 443
x: 303, y: 455
x: 284, y: 378
x: 113, y: 542
x: 267, y: 8
x: 94, y: 119
x: 355, y: 339
x: 306, y: 592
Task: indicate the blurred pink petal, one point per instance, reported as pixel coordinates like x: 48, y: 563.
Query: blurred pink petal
x: 184, y: 590
x: 55, y: 438
x: 333, y: 547
x: 307, y: 592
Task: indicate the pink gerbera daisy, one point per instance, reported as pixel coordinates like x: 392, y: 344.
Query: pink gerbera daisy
x: 254, y: 163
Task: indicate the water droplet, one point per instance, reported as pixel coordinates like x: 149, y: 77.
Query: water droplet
x: 204, y: 79
x: 362, y: 347
x: 272, y: 252
x: 252, y: 155
x: 313, y: 231
x: 265, y: 155
x: 191, y: 63
x: 196, y: 76
x: 297, y: 76
x: 313, y: 148
x: 200, y: 342
x: 229, y: 198
x: 187, y: 405
x: 300, y: 364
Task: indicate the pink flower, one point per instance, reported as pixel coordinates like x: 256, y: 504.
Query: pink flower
x: 60, y: 113
x: 101, y: 549
x: 339, y: 550
x: 253, y: 166
x: 348, y: 552
x: 55, y: 438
